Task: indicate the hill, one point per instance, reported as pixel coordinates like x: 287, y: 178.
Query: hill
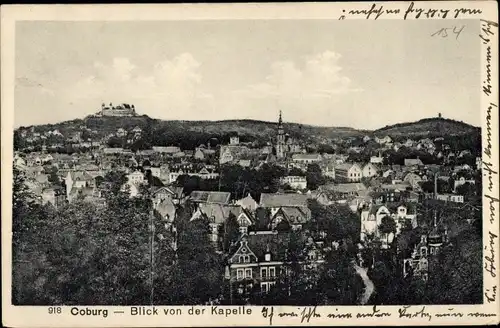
x: 429, y: 127
x: 249, y: 129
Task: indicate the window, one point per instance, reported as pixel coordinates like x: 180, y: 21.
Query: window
x: 263, y: 273
x: 248, y: 273
x: 272, y: 272
x: 243, y: 230
x: 247, y: 258
x: 423, y: 251
x: 239, y: 274
x: 264, y: 287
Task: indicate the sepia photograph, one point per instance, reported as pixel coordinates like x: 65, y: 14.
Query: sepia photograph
x: 249, y: 162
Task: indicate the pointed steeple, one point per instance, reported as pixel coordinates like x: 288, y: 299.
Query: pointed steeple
x: 280, y: 144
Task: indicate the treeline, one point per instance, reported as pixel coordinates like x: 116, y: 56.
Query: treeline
x: 81, y: 254
x: 455, y: 274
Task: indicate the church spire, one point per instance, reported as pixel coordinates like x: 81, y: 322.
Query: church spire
x: 280, y: 144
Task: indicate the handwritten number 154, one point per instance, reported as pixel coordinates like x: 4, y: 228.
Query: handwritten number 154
x: 444, y: 32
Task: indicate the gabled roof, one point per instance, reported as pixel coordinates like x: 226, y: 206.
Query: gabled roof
x: 375, y: 208
x: 261, y: 243
x: 219, y: 213
x: 283, y: 200
x: 175, y: 191
x: 276, y: 244
x: 294, y: 215
x: 210, y: 197
x: 346, y: 166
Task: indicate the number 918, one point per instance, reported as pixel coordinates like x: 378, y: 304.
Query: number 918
x: 55, y: 310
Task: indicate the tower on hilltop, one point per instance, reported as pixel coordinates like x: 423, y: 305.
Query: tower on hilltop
x: 280, y: 142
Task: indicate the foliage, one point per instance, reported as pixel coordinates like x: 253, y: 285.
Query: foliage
x: 81, y: 254
x: 231, y: 231
x: 337, y: 220
x: 314, y: 176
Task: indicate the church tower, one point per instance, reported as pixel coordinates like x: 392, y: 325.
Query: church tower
x: 280, y: 142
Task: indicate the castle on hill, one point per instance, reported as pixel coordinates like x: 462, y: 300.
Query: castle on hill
x: 120, y: 110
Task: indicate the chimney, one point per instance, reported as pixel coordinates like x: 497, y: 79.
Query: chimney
x: 267, y: 256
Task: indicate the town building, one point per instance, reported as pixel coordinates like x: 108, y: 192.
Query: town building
x: 348, y: 172
x: 256, y: 261
x: 120, y: 110
x: 294, y: 181
x: 370, y: 170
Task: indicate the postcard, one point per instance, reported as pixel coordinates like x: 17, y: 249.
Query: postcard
x: 260, y: 164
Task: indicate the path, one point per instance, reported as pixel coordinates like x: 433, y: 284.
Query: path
x: 369, y: 286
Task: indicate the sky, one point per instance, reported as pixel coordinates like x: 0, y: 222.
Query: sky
x: 363, y: 74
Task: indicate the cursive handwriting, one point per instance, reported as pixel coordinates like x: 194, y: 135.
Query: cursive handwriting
x: 443, y: 32
x: 308, y: 313
x: 406, y: 313
x: 481, y: 314
x: 487, y: 82
x: 487, y: 149
x: 486, y: 26
x: 268, y: 313
x: 491, y: 294
x: 438, y: 13
x: 489, y: 266
x: 337, y: 315
x: 411, y: 12
x: 375, y: 313
x: 493, y: 200
x: 449, y: 314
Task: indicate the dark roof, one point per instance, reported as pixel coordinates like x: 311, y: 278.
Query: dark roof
x: 275, y: 243
x: 218, y: 213
x: 294, y: 215
x: 345, y: 187
x: 283, y: 200
x: 210, y: 197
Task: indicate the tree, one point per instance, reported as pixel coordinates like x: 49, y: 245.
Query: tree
x: 467, y: 190
x: 337, y: 220
x: 231, y: 231
x: 197, y: 274
x: 340, y: 284
x: 314, y: 176
x: 297, y: 282
x: 387, y: 226
x: 296, y: 172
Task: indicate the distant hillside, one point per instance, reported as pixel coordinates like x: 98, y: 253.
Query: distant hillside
x: 429, y: 127
x: 251, y: 128
x: 268, y: 129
